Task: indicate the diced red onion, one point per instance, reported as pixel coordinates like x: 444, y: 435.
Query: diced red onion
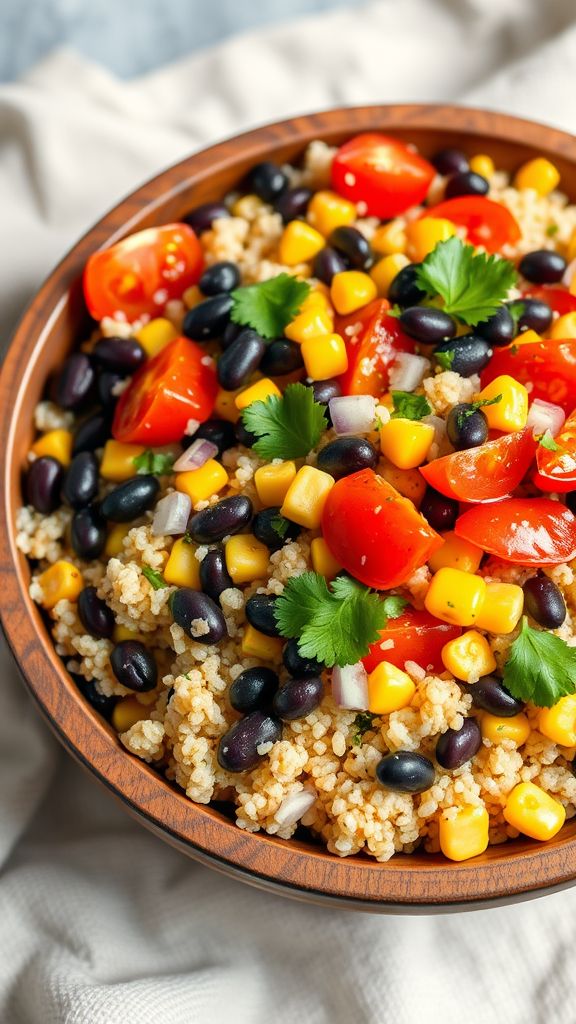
x: 171, y: 514
x: 294, y: 806
x: 569, y: 273
x: 543, y: 416
x: 350, y: 687
x: 407, y: 372
x: 196, y: 455
x: 352, y: 414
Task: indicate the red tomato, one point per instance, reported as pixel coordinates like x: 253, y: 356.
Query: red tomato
x: 375, y: 533
x: 557, y: 470
x: 417, y: 636
x: 530, y: 531
x: 486, y: 473
x: 382, y: 173
x: 559, y: 299
x: 487, y: 223
x: 372, y: 348
x: 170, y: 389
x: 142, y: 272
x: 548, y: 366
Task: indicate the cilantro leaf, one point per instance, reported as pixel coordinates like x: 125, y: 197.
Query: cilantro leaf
x: 394, y: 605
x: 408, y: 406
x: 269, y: 306
x: 546, y: 440
x: 473, y: 407
x: 361, y: 724
x: 154, y: 462
x: 280, y: 525
x: 155, y: 578
x: 287, y: 427
x: 541, y: 667
x: 472, y: 285
x: 517, y: 308
x: 445, y: 359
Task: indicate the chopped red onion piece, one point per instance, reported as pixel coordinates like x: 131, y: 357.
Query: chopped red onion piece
x: 196, y: 455
x: 350, y: 687
x: 352, y: 414
x: 543, y: 416
x: 294, y: 806
x: 171, y: 514
x: 408, y: 371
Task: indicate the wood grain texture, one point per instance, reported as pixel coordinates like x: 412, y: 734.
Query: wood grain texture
x: 49, y: 328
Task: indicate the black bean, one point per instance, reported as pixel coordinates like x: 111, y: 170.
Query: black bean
x: 352, y: 244
x: 439, y: 511
x: 237, y: 364
x: 499, y: 329
x: 466, y: 426
x: 229, y: 334
x: 324, y: 391
x: 298, y: 698
x: 219, y: 432
x: 188, y: 605
x: 91, y: 433
x: 267, y: 181
x: 456, y: 746
x: 327, y: 263
x: 466, y: 183
x: 220, y: 277
x: 134, y: 666
x: 88, y: 532
x: 243, y: 436
x: 220, y: 520
x: 543, y: 600
x: 106, y: 383
x: 260, y: 613
x: 347, y: 455
x: 293, y: 203
x: 450, y: 161
x: 94, y: 614
x: 43, y: 483
x: 131, y: 499
x: 253, y: 689
x: 214, y: 576
x: 202, y: 217
x: 298, y: 665
x: 103, y: 705
x: 468, y: 354
x: 427, y: 325
x: 81, y: 481
x: 281, y: 357
x: 238, y: 748
x: 125, y: 355
x: 405, y: 772
x: 75, y: 382
x: 209, y: 318
x: 543, y: 266
x: 491, y: 695
x: 535, y: 315
x: 403, y: 290
x: 263, y: 528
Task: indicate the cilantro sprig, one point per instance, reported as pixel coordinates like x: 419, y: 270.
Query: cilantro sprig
x: 268, y: 307
x: 408, y: 406
x: 541, y: 667
x: 546, y: 440
x: 155, y: 578
x: 280, y: 524
x: 362, y: 723
x: 287, y: 426
x: 471, y: 285
x: 158, y: 463
x: 472, y: 407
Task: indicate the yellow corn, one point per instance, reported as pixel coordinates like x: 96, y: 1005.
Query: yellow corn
x: 258, y: 645
x: 272, y: 482
x: 183, y: 568
x: 389, y: 689
x: 482, y: 164
x: 257, y: 392
x: 468, y: 657
x: 318, y: 298
x: 62, y: 581
x: 511, y: 412
x: 200, y: 484
x: 564, y: 326
x: 327, y: 211
x: 246, y: 558
x: 384, y: 272
x: 571, y: 248
x: 502, y: 608
x: 121, y: 633
x: 114, y: 541
x: 423, y: 236
x: 497, y: 729
x: 118, y: 460
x: 408, y: 482
x: 456, y: 553
x: 127, y: 712
x: 155, y: 335
x: 534, y: 812
x: 325, y: 357
x: 323, y: 561
x: 310, y: 323
x: 465, y: 834
x: 538, y: 174
x: 299, y: 243
x: 225, y: 405
x: 389, y: 239
x: 306, y: 497
x: 559, y: 723
x: 455, y: 596
x: 247, y: 206
x: 57, y: 444
x: 406, y: 442
x: 352, y: 289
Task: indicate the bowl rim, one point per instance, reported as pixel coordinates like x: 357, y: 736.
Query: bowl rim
x: 407, y: 883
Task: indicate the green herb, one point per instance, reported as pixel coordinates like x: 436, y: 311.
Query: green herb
x: 445, y: 359
x: 472, y: 285
x: 280, y: 525
x: 187, y: 538
x: 541, y: 667
x: 394, y: 605
x: 394, y: 311
x: 552, y: 229
x: 474, y: 406
x: 155, y: 578
x: 269, y: 307
x: 516, y: 310
x: 513, y: 350
x: 547, y: 441
x: 159, y: 463
x: 361, y: 724
x: 287, y: 427
x: 408, y: 406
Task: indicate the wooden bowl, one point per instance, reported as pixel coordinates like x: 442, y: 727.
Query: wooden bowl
x: 49, y: 328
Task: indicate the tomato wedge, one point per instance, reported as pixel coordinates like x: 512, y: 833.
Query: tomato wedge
x: 373, y: 340
x: 547, y: 366
x: 177, y: 385
x: 487, y: 223
x: 560, y: 300
x: 556, y: 470
x: 382, y: 173
x: 375, y: 533
x: 141, y: 273
x: 486, y: 473
x: 529, y: 531
x: 416, y: 636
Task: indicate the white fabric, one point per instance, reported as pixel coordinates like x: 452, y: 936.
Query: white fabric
x: 100, y: 922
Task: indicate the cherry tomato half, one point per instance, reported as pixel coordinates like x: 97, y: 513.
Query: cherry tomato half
x: 375, y: 533
x: 556, y: 470
x: 416, y: 636
x: 486, y: 473
x: 372, y: 348
x: 560, y: 300
x: 529, y: 531
x: 382, y: 173
x: 142, y: 272
x: 175, y: 386
x: 547, y: 366
x: 487, y: 223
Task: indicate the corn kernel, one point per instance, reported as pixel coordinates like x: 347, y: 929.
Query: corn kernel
x: 118, y: 460
x: 534, y: 812
x: 559, y: 722
x: 406, y: 442
x: 115, y: 540
x: 57, y: 444
x: 120, y: 633
x: 306, y: 497
x: 482, y: 164
x: 246, y: 558
x: 423, y: 236
x: 155, y: 335
x: 389, y: 689
x: 62, y: 581
x: 327, y: 211
x: 127, y: 712
x: 564, y: 326
x: 502, y: 608
x: 258, y: 645
x: 409, y: 482
x: 323, y: 561
x: 272, y: 482
x: 257, y: 392
x: 538, y: 174
x: 318, y: 298
x: 310, y: 323
x: 200, y: 484
x: 456, y: 553
x: 497, y: 729
x: 352, y: 289
x: 225, y: 405
x: 299, y: 243
x: 384, y: 272
x: 466, y: 834
x: 247, y: 206
x: 325, y: 357
x: 571, y: 248
x: 455, y: 596
x: 468, y: 657
x: 389, y: 238
x: 511, y: 412
x: 183, y: 568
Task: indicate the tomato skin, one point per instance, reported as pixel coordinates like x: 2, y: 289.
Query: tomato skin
x: 382, y: 173
x: 139, y: 274
x: 528, y: 531
x: 379, y: 340
x: 548, y: 366
x: 486, y: 473
x: 375, y: 533
x: 547, y: 462
x: 559, y: 299
x: 170, y: 389
x: 487, y: 223
x: 418, y: 636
